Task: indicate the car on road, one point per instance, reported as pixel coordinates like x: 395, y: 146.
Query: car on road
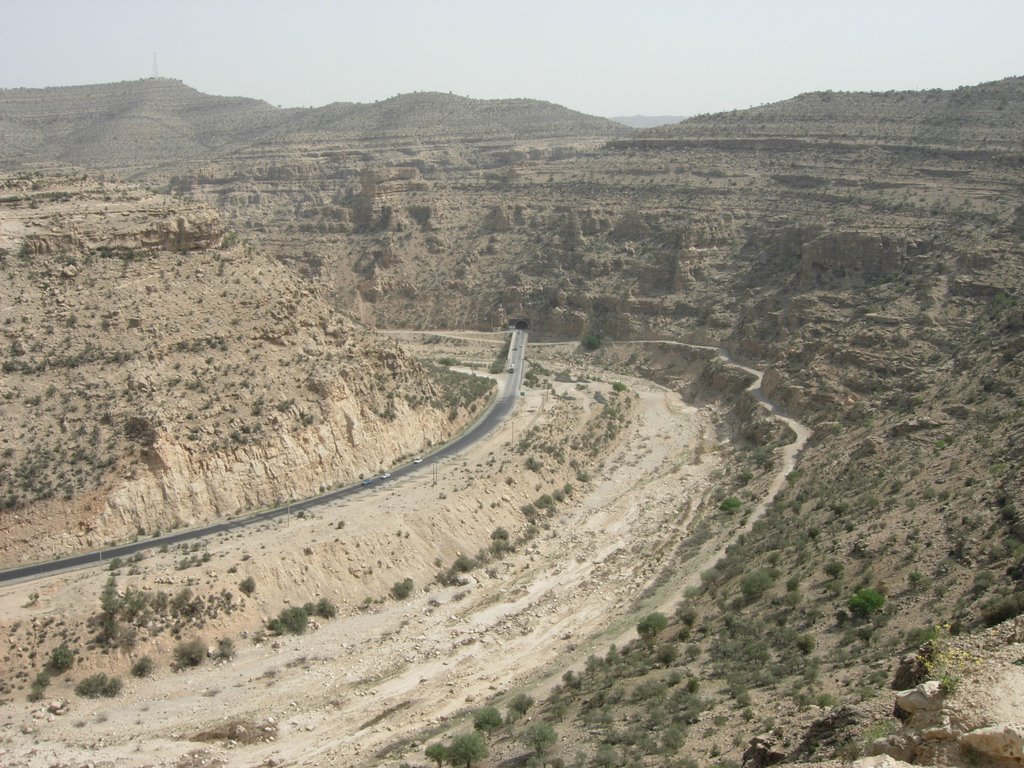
x: 385, y: 476
x: 367, y: 481
x: 417, y: 460
x: 511, y: 369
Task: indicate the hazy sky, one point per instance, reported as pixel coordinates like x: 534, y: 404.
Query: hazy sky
x: 602, y: 57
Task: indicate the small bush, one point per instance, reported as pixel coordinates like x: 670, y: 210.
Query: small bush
x: 61, y: 659
x: 291, y: 621
x: 143, y: 667
x: 730, y: 504
x: 436, y: 752
x: 500, y: 541
x: 487, y: 719
x: 189, y: 653
x: 325, y: 609
x: 39, y: 686
x: 539, y: 737
x: 756, y: 583
x: 1001, y: 609
x: 97, y: 685
x: 402, y: 589
x: 466, y: 749
x: 651, y: 625
x: 225, y: 648
x: 866, y: 601
x: 834, y: 569
x: 805, y: 644
x: 519, y: 706
x: 247, y: 586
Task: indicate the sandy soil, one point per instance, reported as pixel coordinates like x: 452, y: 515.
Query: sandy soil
x: 379, y: 675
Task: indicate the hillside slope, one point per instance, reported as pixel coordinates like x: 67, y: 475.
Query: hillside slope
x: 865, y: 250
x: 154, y: 377
x: 139, y: 126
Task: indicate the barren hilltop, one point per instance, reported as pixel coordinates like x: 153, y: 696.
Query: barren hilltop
x: 760, y: 501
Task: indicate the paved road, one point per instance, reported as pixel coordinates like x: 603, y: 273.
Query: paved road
x: 508, y: 390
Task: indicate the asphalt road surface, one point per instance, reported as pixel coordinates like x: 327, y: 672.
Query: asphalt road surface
x: 508, y: 389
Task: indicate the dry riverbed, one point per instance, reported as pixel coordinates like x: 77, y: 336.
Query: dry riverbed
x: 385, y: 671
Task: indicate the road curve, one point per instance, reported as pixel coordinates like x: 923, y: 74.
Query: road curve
x: 508, y: 389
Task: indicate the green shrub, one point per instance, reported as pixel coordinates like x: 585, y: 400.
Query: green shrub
x: 61, y: 659
x: 39, y: 686
x: 539, y: 737
x: 437, y: 752
x: 325, y: 609
x: 1001, y: 609
x: 651, y: 625
x: 143, y: 667
x: 500, y: 541
x: 225, y: 648
x: 805, y: 644
x: 866, y: 601
x: 591, y: 342
x: 756, y: 583
x: 666, y: 654
x: 291, y: 621
x: 402, y: 589
x: 519, y: 706
x: 97, y: 685
x: 834, y: 569
x: 247, y: 586
x: 466, y: 749
x: 189, y: 653
x: 487, y: 719
x: 729, y: 504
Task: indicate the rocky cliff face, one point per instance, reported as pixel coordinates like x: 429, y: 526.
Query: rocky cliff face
x: 153, y: 380
x: 175, y: 485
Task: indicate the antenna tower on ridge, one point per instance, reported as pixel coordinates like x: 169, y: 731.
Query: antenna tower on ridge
x: 155, y: 72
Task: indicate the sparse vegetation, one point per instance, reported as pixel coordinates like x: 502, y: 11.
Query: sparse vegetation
x: 400, y: 590
x: 95, y: 686
x: 143, y: 667
x: 189, y: 653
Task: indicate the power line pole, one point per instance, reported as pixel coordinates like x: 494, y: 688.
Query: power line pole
x: 156, y: 72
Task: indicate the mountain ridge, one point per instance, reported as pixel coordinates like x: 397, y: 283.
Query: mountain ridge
x: 139, y: 125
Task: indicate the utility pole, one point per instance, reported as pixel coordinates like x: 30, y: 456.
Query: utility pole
x: 156, y: 72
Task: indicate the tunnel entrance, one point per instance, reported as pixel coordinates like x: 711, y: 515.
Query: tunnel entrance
x: 519, y: 324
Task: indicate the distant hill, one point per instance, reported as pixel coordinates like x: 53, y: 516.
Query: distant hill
x: 988, y: 115
x: 648, y: 121
x: 445, y: 115
x: 143, y: 124
x: 124, y: 124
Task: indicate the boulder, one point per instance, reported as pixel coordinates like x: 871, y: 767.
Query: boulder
x: 880, y: 761
x: 1004, y: 742
x: 910, y: 672
x: 926, y: 697
x: 764, y: 750
x: 899, y: 746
